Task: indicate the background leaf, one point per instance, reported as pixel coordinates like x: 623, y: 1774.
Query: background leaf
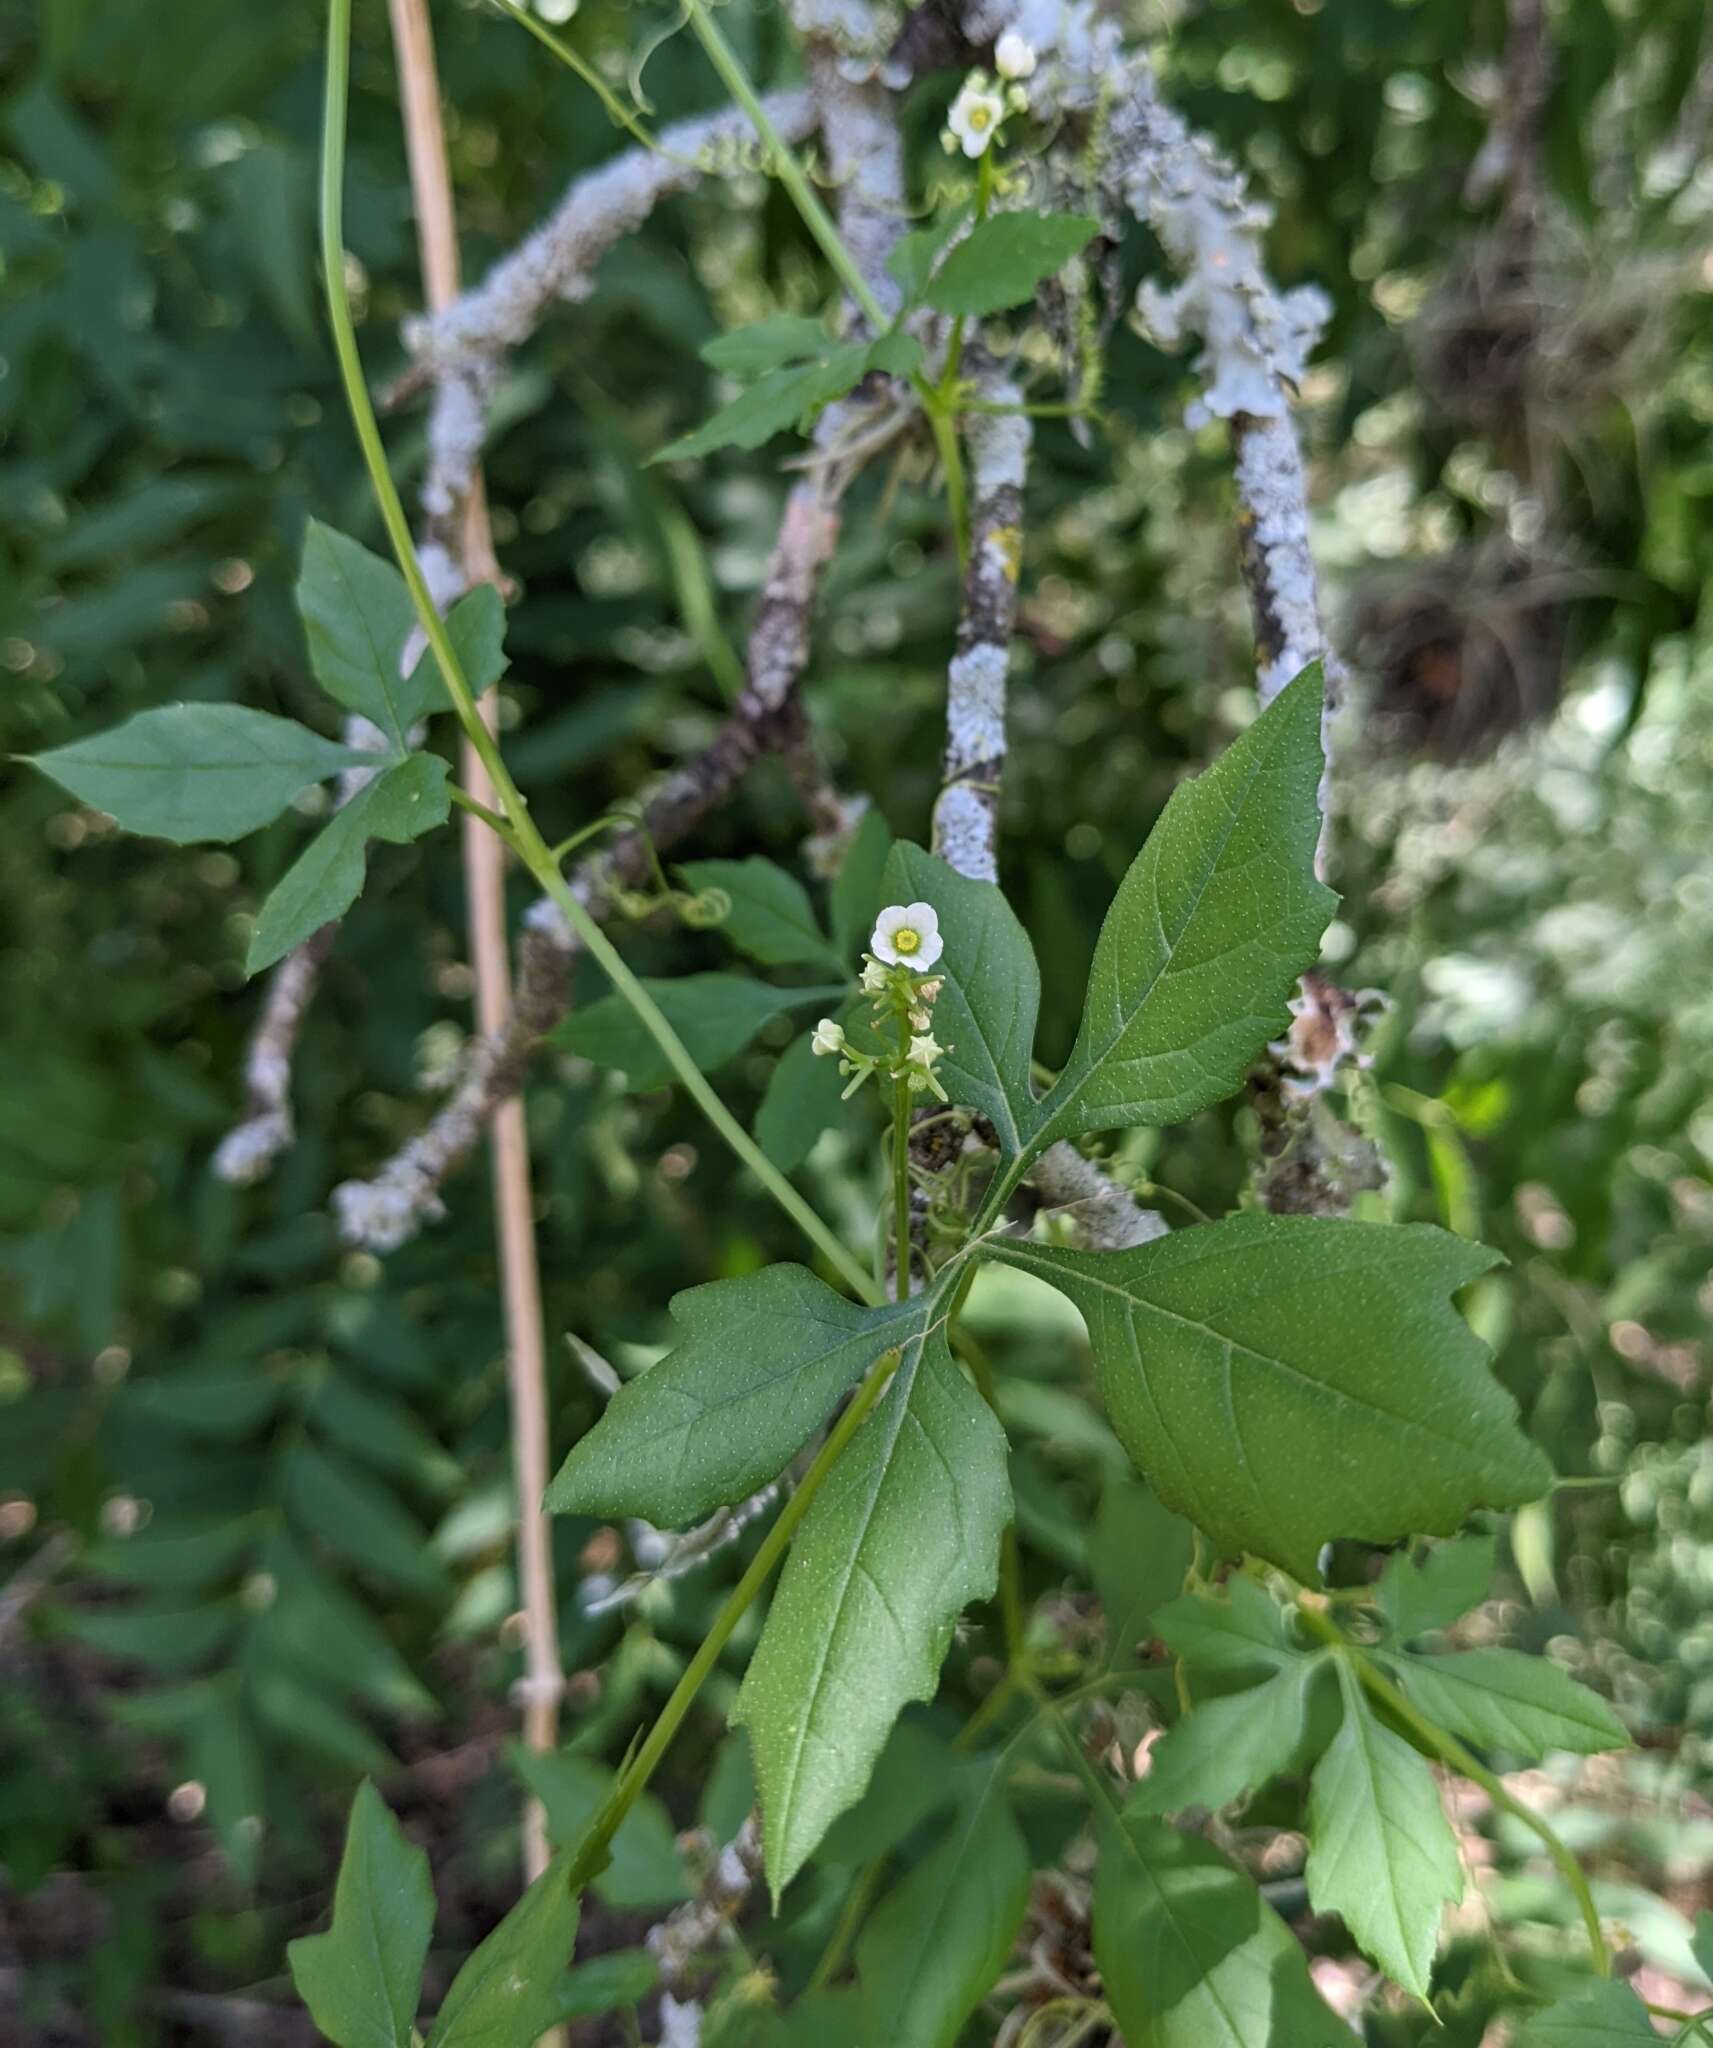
x: 1418, y: 1598
x: 191, y: 772
x: 771, y: 918
x: 715, y: 1015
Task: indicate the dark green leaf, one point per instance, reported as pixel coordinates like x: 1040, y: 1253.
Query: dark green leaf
x: 191, y: 772
x: 1606, y: 2015
x: 757, y: 1366
x: 716, y: 1016
x: 771, y: 918
x: 362, y: 1977
x: 644, y: 1867
x: 401, y: 804
x: 162, y: 1639
x: 1001, y: 260
x: 1382, y: 1855
x: 1451, y: 1579
x: 780, y: 399
x: 625, y: 1977
x: 1501, y: 1699
x: 1224, y: 1748
x: 903, y: 1535
x: 357, y: 615
x: 507, y: 1993
x: 1702, y: 1943
x: 1219, y: 914
x: 936, y: 1944
x: 765, y: 345
x: 1140, y: 1553
x: 985, y: 1015
x: 476, y: 626
x: 858, y: 893
x: 802, y: 1099
x: 308, y: 1720
x: 1288, y: 1380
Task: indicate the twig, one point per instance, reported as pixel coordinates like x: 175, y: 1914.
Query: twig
x: 466, y: 517
x: 250, y: 1148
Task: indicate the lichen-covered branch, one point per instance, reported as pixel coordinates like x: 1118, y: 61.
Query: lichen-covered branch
x: 247, y: 1151
x: 966, y: 817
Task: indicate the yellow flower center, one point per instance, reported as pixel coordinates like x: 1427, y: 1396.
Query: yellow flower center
x: 906, y: 940
x: 980, y: 118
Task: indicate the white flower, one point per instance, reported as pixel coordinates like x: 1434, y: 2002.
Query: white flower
x: 907, y: 935
x: 975, y: 116
x: 875, y: 977
x: 829, y: 1037
x: 925, y: 1049
x: 1013, y: 57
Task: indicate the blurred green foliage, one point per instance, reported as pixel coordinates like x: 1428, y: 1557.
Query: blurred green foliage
x: 268, y: 1475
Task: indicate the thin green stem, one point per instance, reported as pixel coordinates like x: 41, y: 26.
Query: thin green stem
x: 531, y: 848
x: 945, y: 432
x: 901, y: 1183
x: 633, y: 1780
x: 852, y: 1913
x: 1449, y: 1750
x: 466, y: 802
x: 784, y: 165
x: 616, y: 108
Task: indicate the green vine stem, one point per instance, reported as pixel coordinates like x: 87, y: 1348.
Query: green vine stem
x: 532, y: 849
x: 591, y: 1853
x: 1450, y: 1751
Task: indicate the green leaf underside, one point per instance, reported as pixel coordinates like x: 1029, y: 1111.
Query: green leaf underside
x: 476, y: 626
x: 401, y: 804
x: 756, y: 1369
x: 357, y: 615
x: 715, y: 1015
x: 1243, y: 1631
x: 507, y: 1993
x: 1190, y: 1956
x: 777, y: 400
x: 771, y: 918
x: 1606, y: 2015
x: 644, y: 1868
x: 1218, y: 915
x: 1501, y: 1699
x: 1284, y: 1381
x: 361, y: 1979
x: 196, y: 772
x: 985, y: 1014
x: 935, y: 1946
x: 1000, y: 261
x: 1417, y: 1599
x: 902, y: 1537
x: 1227, y: 1747
x: 802, y: 1099
x: 1382, y: 1853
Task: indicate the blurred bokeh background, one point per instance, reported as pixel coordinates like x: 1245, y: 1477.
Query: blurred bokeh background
x: 253, y: 1486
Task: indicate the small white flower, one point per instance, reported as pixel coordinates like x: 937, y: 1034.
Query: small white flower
x: 829, y: 1037
x: 907, y: 935
x: 1013, y: 57
x: 925, y: 1049
x: 975, y: 116
x: 875, y: 977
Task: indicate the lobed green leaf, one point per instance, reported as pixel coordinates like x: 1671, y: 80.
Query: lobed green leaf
x: 1285, y: 1381
x: 1502, y: 1699
x: 1002, y: 260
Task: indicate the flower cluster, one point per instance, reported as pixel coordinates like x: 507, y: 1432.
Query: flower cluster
x: 906, y: 939
x: 979, y: 111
